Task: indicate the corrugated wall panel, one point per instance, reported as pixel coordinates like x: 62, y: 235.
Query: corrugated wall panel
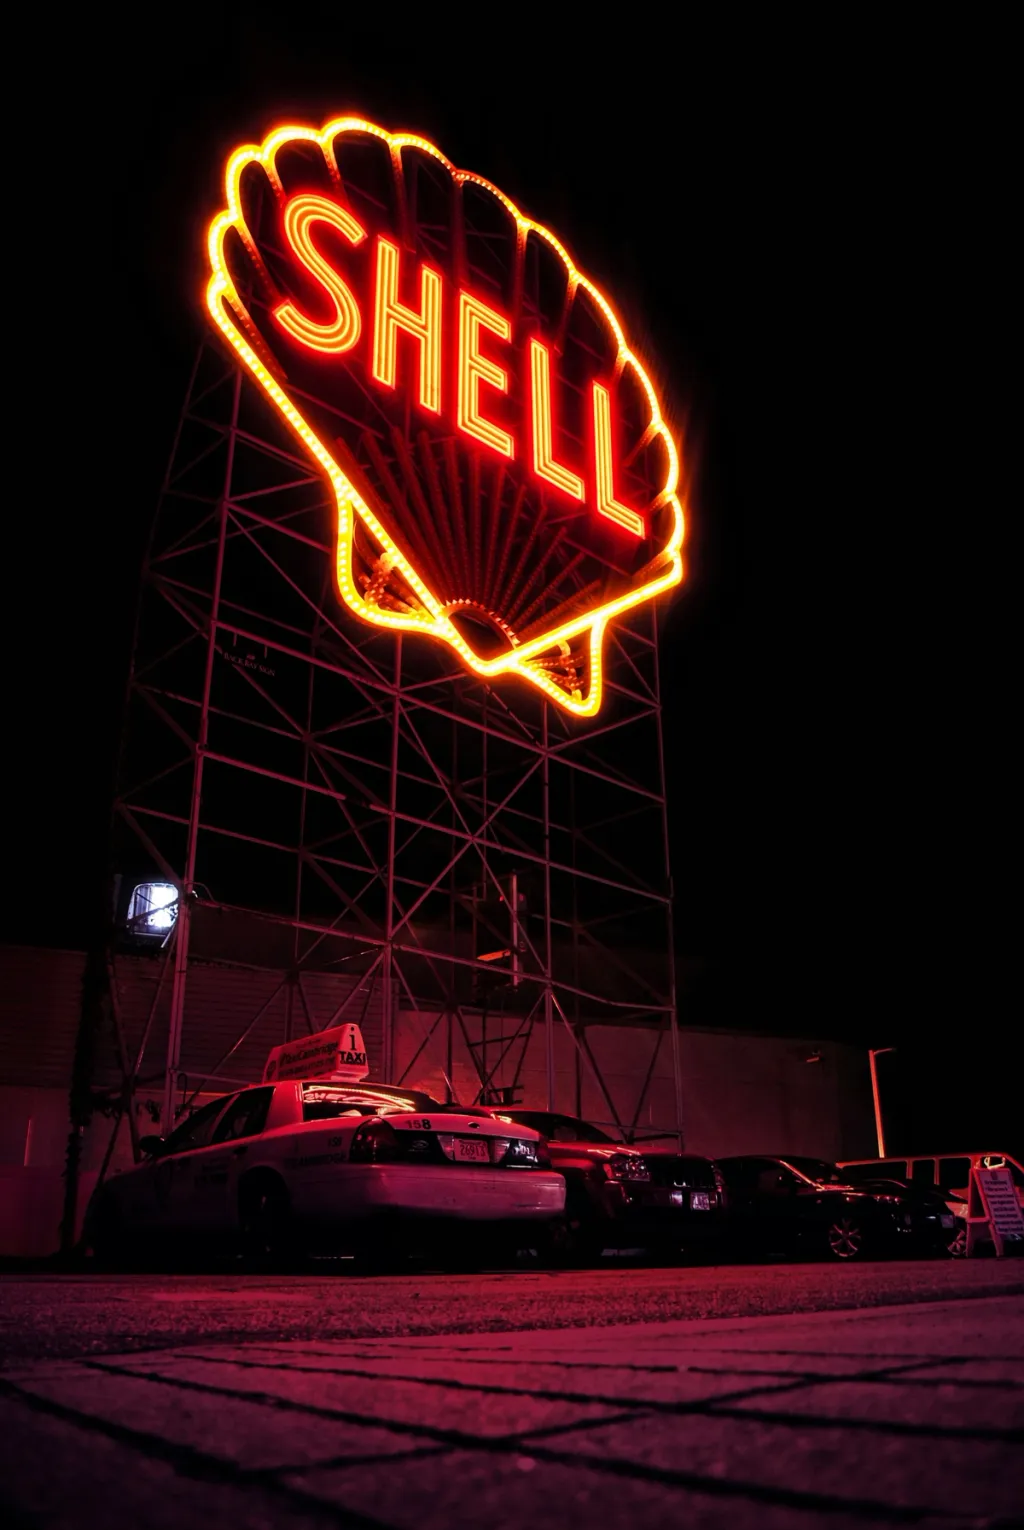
x: 740, y: 1093
x: 232, y: 1019
x: 326, y: 992
x: 40, y: 1002
x: 139, y: 983
x: 234, y: 1015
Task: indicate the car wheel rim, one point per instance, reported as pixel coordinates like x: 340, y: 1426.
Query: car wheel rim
x: 958, y: 1247
x: 844, y: 1239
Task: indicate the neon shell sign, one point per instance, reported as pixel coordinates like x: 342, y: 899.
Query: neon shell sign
x: 504, y: 479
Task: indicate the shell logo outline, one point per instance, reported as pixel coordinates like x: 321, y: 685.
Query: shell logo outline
x: 285, y: 314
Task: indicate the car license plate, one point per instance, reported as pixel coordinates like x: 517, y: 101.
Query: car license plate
x: 472, y: 1150
x: 700, y: 1200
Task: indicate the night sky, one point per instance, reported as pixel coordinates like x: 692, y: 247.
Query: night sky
x: 793, y: 227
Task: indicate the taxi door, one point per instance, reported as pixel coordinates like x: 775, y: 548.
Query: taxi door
x: 164, y: 1188
x: 206, y: 1197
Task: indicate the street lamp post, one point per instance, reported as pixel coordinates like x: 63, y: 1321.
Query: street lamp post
x: 872, y: 1054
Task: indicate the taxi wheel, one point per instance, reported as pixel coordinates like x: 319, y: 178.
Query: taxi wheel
x: 268, y: 1241
x: 845, y: 1238
x: 380, y: 1251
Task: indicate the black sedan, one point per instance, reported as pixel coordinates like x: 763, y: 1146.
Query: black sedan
x: 790, y: 1205
x: 684, y: 1204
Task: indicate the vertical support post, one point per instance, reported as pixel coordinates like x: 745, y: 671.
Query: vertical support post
x: 79, y: 1102
x: 549, y: 1009
x: 514, y: 942
x: 289, y: 1004
x: 450, y: 994
x: 876, y: 1097
x: 388, y: 997
x: 673, y: 1016
x: 487, y: 892
x: 300, y: 859
x: 185, y: 890
x: 576, y: 1026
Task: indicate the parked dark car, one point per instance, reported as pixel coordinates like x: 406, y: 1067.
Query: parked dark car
x: 956, y: 1240
x: 797, y: 1204
x: 951, y: 1173
x: 685, y: 1203
x: 606, y: 1182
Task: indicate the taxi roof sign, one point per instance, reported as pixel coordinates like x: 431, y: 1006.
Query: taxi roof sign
x: 338, y: 1054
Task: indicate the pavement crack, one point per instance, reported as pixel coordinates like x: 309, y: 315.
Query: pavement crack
x: 755, y: 1492
x: 891, y: 1374
x: 486, y: 1357
x: 189, y: 1462
x: 872, y: 1425
x: 911, y: 1356
x: 488, y: 1388
x: 198, y: 1465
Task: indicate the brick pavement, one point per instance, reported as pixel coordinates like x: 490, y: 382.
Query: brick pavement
x: 898, y: 1415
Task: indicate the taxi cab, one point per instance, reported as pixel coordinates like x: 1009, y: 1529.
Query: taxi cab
x: 322, y: 1164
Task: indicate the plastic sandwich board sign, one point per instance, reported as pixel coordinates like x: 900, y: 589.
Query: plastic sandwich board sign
x: 338, y: 1053
x: 993, y: 1202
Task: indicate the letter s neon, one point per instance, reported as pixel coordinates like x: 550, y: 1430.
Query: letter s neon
x: 342, y: 332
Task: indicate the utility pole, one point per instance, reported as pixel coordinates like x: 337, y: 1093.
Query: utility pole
x: 879, y: 1133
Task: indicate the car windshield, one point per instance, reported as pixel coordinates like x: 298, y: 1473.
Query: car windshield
x: 557, y: 1128
x: 323, y: 1102
x: 819, y: 1170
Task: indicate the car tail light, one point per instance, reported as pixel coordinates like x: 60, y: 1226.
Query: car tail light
x: 520, y: 1152
x: 626, y: 1166
x: 375, y: 1142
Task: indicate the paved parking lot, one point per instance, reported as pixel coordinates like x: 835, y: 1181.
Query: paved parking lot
x: 871, y: 1415
x: 64, y: 1315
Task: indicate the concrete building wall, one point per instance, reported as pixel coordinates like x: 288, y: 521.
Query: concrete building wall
x: 741, y: 1093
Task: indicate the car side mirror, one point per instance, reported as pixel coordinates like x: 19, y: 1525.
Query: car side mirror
x: 151, y: 1146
